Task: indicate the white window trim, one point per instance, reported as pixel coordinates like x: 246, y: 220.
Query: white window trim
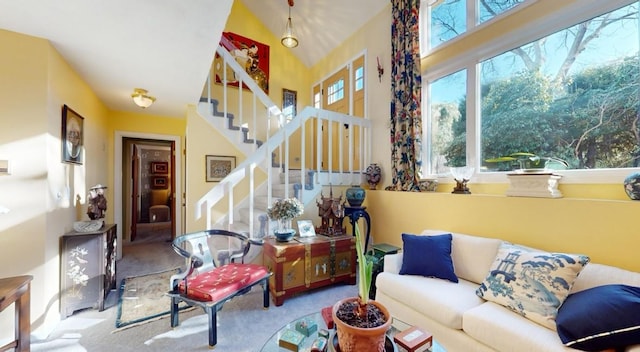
x: 580, y: 11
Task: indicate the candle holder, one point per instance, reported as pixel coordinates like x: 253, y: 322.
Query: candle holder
x: 462, y: 175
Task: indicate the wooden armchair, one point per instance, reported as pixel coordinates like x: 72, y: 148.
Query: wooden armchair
x: 216, y: 273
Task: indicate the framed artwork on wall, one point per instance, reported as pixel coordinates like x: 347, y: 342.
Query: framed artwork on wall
x: 160, y: 167
x: 159, y: 182
x: 218, y: 166
x: 250, y: 54
x: 72, y: 136
x: 289, y: 101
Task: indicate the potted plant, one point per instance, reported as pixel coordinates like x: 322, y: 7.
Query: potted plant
x: 283, y: 211
x: 361, y: 323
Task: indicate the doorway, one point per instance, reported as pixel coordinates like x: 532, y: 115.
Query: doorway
x: 146, y: 167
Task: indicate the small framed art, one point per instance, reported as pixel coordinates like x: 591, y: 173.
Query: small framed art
x: 159, y: 182
x: 289, y: 102
x: 72, y: 136
x: 306, y: 229
x: 159, y: 167
x: 218, y: 166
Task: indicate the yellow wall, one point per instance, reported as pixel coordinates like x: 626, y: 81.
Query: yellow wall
x: 41, y: 190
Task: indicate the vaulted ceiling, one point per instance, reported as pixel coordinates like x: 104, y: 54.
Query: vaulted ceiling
x: 166, y: 46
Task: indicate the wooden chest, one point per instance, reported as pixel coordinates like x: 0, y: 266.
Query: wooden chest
x: 309, y: 262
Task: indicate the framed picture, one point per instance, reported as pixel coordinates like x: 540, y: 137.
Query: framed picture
x: 289, y: 101
x: 306, y: 229
x: 160, y: 167
x: 72, y: 136
x: 218, y: 166
x: 159, y: 182
x: 250, y: 54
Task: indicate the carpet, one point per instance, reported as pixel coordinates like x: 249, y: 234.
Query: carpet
x: 142, y: 299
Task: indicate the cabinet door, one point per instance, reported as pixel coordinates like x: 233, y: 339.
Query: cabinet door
x: 82, y: 284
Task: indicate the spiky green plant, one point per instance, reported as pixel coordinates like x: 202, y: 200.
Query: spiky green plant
x: 365, y: 269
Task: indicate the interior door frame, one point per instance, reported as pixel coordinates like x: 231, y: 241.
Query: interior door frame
x: 118, y: 174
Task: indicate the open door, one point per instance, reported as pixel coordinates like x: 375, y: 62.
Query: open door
x: 135, y: 192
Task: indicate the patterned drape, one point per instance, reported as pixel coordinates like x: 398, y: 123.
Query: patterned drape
x: 406, y: 87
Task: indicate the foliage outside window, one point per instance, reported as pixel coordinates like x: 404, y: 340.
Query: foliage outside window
x: 573, y: 94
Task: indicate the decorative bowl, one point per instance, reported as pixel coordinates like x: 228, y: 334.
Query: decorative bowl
x: 284, y: 236
x: 428, y: 185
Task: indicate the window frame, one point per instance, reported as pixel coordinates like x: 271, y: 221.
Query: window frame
x: 469, y: 59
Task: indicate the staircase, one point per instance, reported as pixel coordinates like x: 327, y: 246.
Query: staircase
x: 266, y: 140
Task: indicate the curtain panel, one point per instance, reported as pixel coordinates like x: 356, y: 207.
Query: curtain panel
x: 406, y: 90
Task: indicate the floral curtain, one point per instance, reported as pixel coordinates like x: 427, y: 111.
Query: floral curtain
x: 406, y: 87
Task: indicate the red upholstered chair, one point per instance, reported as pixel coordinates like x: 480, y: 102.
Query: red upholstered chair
x: 216, y: 273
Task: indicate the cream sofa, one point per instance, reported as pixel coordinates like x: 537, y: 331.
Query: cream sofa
x: 462, y: 321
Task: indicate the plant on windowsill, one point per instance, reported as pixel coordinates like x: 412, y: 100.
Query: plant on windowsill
x: 361, y: 323
x: 528, y: 163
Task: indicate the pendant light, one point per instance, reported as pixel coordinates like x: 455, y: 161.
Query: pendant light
x: 289, y: 38
x: 141, y: 98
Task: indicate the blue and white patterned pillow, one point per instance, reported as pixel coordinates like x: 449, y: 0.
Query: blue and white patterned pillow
x: 530, y: 282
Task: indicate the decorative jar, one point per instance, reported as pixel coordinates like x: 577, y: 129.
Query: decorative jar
x: 355, y: 195
x: 632, y: 186
x: 373, y: 173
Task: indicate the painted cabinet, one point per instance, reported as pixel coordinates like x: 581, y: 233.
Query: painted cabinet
x: 88, y: 269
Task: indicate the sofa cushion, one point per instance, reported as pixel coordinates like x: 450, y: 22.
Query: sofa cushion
x: 440, y: 300
x: 600, y: 318
x: 530, y: 282
x: 472, y: 255
x: 497, y: 326
x: 599, y: 274
x: 428, y: 256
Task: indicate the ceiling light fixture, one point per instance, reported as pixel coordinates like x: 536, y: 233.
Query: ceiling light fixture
x: 141, y: 98
x: 289, y: 38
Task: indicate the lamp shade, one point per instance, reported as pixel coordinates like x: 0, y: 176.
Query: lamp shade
x: 141, y: 98
x: 289, y: 38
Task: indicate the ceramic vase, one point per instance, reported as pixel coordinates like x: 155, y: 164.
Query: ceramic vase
x: 355, y: 195
x: 374, y: 173
x: 284, y: 232
x: 632, y: 186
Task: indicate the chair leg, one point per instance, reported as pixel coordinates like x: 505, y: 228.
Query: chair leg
x: 174, y: 312
x: 265, y: 292
x: 212, y: 312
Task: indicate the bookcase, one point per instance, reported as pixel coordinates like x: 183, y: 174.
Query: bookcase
x: 88, y: 269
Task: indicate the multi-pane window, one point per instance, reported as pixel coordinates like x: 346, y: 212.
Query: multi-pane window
x: 359, y: 78
x: 316, y: 101
x: 447, y: 19
x: 335, y: 91
x: 572, y: 94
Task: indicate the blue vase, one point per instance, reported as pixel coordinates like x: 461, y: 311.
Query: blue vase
x: 355, y: 195
x: 632, y: 186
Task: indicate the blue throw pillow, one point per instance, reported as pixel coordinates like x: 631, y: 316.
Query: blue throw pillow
x: 600, y: 318
x: 428, y: 256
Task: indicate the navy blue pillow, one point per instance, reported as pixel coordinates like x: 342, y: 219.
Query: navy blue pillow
x: 599, y: 318
x: 428, y: 256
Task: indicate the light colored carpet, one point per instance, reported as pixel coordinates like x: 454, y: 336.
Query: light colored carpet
x: 243, y: 326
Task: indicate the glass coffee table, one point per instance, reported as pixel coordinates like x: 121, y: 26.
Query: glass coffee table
x: 396, y: 326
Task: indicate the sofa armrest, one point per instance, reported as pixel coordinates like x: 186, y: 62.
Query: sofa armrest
x: 393, y: 263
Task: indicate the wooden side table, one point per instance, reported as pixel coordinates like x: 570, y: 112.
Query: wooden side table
x: 18, y: 290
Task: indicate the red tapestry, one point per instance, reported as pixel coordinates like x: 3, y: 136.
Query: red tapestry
x: 250, y: 54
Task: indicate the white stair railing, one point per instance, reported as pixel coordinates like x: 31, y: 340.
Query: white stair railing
x: 269, y: 136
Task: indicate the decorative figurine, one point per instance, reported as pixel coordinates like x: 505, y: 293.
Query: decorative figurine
x: 374, y: 173
x: 331, y: 210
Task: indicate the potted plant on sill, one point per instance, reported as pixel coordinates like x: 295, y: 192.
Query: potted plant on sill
x: 361, y: 323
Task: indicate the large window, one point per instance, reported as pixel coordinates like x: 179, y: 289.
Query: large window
x: 572, y: 94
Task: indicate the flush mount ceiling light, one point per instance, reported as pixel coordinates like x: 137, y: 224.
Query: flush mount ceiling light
x: 141, y: 98
x: 289, y: 38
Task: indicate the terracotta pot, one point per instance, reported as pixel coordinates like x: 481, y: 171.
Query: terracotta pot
x: 354, y: 339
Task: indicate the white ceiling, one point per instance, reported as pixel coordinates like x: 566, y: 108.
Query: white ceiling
x: 166, y: 46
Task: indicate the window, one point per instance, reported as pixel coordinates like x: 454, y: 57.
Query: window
x: 359, y: 78
x: 448, y: 19
x: 571, y: 93
x: 335, y: 91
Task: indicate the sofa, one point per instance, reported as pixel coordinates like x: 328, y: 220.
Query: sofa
x: 461, y: 320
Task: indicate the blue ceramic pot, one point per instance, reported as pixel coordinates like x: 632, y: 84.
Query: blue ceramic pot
x: 284, y: 236
x: 632, y: 185
x: 355, y: 195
